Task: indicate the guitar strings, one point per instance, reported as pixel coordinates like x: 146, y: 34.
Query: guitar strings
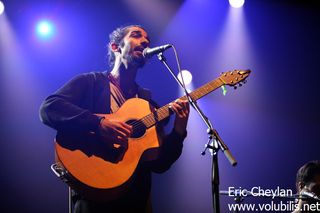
x: 149, y: 120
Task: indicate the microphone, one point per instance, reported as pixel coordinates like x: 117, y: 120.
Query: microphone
x: 149, y: 52
x: 311, y: 195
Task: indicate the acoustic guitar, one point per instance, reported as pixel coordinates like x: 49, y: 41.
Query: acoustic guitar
x: 103, y: 173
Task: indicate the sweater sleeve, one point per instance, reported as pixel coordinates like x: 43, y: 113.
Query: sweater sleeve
x: 64, y: 109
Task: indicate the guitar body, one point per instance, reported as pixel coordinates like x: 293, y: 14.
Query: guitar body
x: 98, y: 170
x: 103, y: 172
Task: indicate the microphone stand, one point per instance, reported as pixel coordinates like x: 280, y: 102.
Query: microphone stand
x: 213, y: 138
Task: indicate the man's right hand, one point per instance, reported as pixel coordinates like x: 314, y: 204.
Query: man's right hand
x: 114, y: 131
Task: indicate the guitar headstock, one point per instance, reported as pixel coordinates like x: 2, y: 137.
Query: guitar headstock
x: 232, y: 78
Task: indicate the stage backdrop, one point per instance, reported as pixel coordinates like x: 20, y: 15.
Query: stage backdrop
x: 271, y: 124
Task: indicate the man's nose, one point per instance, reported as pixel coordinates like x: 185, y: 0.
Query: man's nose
x: 145, y: 42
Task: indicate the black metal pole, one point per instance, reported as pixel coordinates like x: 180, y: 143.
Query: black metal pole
x: 215, y: 181
x: 213, y: 135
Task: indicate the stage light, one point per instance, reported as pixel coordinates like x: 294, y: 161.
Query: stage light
x: 1, y: 7
x: 187, y: 77
x: 45, y: 29
x: 236, y: 3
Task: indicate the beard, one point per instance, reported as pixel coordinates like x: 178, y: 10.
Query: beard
x: 134, y: 60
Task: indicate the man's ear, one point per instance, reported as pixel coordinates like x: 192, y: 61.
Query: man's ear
x: 115, y: 47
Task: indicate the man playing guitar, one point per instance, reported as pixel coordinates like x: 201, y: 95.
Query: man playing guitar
x: 98, y: 105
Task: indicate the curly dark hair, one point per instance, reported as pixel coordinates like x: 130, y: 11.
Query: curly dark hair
x: 116, y: 37
x: 307, y: 173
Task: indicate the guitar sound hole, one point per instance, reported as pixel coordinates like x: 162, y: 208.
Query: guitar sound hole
x: 139, y: 129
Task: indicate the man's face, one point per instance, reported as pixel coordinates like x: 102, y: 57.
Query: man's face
x: 134, y: 42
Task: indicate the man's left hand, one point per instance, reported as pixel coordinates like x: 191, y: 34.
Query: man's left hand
x: 181, y: 108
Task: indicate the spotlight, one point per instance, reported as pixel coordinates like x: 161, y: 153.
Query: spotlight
x: 236, y: 3
x: 187, y: 77
x: 1, y: 7
x: 45, y: 29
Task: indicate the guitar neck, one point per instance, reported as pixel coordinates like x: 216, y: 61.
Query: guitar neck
x: 165, y: 111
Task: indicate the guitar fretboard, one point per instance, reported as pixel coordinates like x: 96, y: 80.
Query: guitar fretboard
x: 165, y: 111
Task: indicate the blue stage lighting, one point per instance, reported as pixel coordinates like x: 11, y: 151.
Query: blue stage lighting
x: 1, y: 7
x: 187, y: 77
x: 236, y: 3
x: 45, y: 29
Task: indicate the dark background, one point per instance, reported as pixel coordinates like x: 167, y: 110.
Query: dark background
x: 271, y: 124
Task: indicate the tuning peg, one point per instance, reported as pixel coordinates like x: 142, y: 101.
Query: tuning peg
x: 240, y: 85
x: 235, y: 87
x: 245, y: 81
